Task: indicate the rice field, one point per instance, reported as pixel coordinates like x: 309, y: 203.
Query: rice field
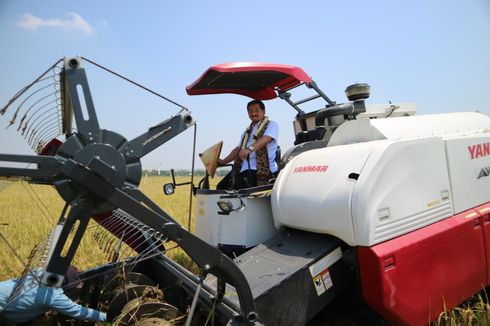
x: 29, y: 212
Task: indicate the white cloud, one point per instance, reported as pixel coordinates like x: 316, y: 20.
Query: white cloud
x: 74, y: 23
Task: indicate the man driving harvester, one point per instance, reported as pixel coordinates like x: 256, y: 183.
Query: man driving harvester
x: 255, y: 155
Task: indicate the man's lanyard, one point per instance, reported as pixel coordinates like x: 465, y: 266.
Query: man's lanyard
x: 261, y: 126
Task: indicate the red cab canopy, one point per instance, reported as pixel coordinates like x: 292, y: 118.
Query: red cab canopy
x: 257, y: 80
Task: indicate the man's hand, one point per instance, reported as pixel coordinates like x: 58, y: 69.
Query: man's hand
x: 243, y: 154
x: 220, y: 162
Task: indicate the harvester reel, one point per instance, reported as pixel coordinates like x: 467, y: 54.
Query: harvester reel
x: 97, y: 170
x: 108, y: 147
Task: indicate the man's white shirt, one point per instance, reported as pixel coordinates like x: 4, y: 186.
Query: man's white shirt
x: 272, y: 131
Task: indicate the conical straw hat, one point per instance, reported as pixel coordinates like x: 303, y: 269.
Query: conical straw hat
x: 210, y: 158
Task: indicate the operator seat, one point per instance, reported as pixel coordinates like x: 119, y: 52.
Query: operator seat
x: 229, y: 179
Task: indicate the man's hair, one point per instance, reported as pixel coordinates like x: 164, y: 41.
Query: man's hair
x: 260, y: 103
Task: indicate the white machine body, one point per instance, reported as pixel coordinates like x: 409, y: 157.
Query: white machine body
x: 381, y: 178
x: 245, y: 228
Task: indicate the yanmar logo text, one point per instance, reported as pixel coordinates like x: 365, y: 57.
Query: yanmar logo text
x: 479, y: 150
x: 311, y: 169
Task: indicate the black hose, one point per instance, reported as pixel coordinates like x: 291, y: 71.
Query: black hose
x: 350, y: 108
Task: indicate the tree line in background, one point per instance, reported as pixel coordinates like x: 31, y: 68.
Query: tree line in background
x: 183, y: 173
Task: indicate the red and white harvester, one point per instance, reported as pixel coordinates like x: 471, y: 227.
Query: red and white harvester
x: 372, y: 201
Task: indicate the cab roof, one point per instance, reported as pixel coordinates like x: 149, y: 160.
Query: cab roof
x: 257, y: 80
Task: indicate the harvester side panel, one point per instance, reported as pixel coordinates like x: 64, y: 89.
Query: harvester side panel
x: 365, y: 193
x: 469, y: 169
x: 403, y: 186
x: 313, y: 192
x: 411, y: 279
x: 484, y: 211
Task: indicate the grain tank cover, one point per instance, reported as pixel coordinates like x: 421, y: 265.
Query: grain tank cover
x: 435, y: 125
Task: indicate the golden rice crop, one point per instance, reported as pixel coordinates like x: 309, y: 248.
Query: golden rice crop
x: 475, y: 311
x: 29, y: 212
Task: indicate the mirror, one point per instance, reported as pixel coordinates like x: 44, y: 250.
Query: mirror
x: 168, y: 189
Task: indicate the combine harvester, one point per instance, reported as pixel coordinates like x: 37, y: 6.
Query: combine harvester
x: 372, y: 201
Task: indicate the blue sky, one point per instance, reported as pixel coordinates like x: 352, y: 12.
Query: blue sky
x: 433, y: 53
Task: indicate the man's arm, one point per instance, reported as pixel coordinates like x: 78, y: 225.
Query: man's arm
x: 259, y: 143
x: 230, y: 157
x: 61, y: 303
x: 6, y: 289
x: 270, y: 134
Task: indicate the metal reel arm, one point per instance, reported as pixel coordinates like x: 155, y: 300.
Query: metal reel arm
x: 48, y: 168
x: 62, y: 250
x: 158, y: 135
x: 208, y: 258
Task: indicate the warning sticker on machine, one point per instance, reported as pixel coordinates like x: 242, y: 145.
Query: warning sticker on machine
x: 320, y: 273
x: 319, y: 286
x: 327, y: 280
